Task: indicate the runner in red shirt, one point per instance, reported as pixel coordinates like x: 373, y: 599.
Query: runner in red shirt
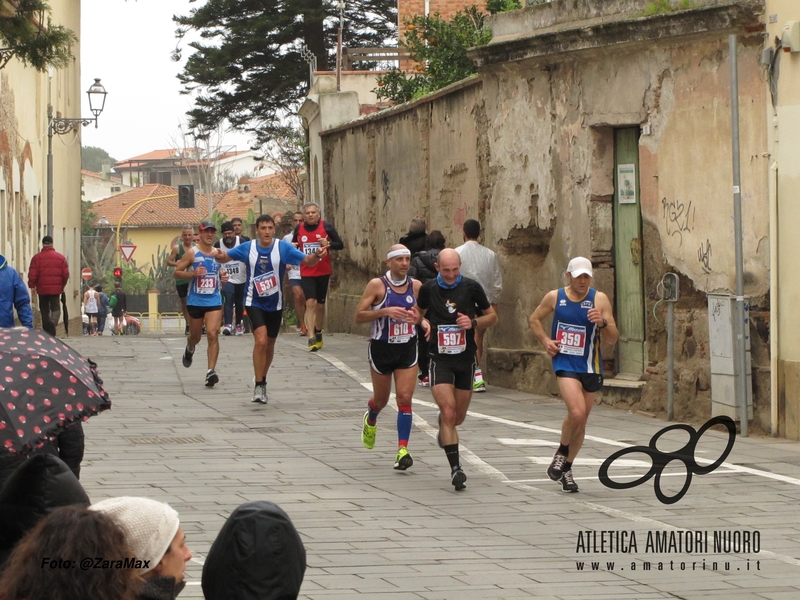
x: 314, y: 233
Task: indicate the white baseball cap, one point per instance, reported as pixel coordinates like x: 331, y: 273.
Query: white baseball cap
x: 580, y: 266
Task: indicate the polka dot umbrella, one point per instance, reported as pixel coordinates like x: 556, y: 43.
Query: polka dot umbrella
x: 45, y: 386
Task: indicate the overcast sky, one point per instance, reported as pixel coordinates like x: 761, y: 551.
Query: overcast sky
x: 128, y: 46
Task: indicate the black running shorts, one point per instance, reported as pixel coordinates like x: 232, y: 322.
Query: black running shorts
x: 385, y: 358
x: 199, y: 312
x: 316, y: 288
x: 591, y: 382
x: 271, y: 319
x: 459, y: 374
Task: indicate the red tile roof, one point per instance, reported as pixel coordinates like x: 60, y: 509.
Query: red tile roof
x: 271, y: 190
x: 161, y: 212
x: 85, y: 173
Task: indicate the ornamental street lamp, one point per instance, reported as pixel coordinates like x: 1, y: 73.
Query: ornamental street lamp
x: 60, y: 126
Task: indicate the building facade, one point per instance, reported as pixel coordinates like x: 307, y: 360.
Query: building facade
x: 24, y: 97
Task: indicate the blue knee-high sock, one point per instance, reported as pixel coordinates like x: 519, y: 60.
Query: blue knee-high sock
x: 372, y: 417
x: 404, y: 420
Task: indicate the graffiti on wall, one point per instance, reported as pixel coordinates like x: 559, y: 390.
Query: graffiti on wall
x: 678, y: 217
x: 704, y: 255
x: 385, y: 187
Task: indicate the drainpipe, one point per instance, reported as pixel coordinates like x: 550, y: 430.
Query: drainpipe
x: 773, y: 298
x: 427, y: 7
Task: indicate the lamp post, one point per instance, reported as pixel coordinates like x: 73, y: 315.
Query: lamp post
x: 60, y: 126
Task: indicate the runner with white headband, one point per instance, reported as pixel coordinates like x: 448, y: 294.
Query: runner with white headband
x: 389, y: 304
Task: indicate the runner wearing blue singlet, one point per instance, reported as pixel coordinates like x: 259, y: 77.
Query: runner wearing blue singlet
x: 265, y: 261
x: 204, y: 300
x: 581, y: 316
x: 389, y: 304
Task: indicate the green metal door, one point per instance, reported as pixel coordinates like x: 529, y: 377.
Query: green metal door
x: 629, y: 292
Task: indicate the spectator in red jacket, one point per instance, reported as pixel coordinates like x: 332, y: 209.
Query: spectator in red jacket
x: 47, y: 277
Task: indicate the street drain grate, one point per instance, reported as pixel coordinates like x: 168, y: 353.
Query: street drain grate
x: 166, y: 440
x: 272, y: 429
x: 340, y: 414
x: 235, y: 429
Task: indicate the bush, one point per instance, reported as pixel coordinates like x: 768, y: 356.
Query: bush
x: 439, y: 48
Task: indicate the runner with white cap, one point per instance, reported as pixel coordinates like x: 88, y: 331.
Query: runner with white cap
x: 581, y: 316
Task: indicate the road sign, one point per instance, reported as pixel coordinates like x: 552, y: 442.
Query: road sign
x: 127, y: 251
x: 86, y: 274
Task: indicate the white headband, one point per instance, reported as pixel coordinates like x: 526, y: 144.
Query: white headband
x: 400, y: 252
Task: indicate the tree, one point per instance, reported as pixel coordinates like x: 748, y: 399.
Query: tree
x: 87, y: 219
x: 33, y: 39
x: 247, y: 68
x: 92, y: 158
x: 288, y: 152
x: 439, y: 48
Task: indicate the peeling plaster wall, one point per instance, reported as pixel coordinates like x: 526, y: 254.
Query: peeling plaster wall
x: 383, y: 171
x: 23, y: 162
x: 531, y: 153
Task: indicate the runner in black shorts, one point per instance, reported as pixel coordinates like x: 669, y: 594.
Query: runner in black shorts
x: 265, y: 260
x: 389, y: 303
x: 175, y: 255
x: 310, y: 236
x: 450, y: 304
x: 581, y: 316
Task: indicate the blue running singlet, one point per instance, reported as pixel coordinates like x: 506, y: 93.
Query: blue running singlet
x: 577, y: 336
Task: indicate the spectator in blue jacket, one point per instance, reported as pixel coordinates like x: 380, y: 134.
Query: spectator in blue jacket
x: 13, y: 294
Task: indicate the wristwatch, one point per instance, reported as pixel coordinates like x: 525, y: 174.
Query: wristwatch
x: 474, y: 323
x: 604, y: 325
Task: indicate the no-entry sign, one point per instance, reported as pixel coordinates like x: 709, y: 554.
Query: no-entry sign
x: 86, y: 274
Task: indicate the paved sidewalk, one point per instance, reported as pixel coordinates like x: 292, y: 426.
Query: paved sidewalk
x: 374, y: 532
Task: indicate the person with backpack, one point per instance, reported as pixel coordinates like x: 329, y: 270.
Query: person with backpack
x: 91, y: 305
x: 119, y: 305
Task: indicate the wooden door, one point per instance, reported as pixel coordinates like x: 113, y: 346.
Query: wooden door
x: 629, y: 288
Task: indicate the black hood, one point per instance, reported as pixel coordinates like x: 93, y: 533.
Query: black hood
x: 258, y: 555
x: 39, y: 485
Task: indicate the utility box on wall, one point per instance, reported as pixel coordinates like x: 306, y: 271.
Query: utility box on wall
x: 723, y: 356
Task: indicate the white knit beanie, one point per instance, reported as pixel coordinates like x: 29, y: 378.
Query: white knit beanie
x: 149, y: 525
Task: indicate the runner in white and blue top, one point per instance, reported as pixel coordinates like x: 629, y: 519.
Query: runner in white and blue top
x: 265, y: 259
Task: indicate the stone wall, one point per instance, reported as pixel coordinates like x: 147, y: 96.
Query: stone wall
x: 528, y: 150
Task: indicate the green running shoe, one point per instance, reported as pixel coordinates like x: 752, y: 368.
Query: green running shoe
x: 368, y: 433
x: 403, y: 460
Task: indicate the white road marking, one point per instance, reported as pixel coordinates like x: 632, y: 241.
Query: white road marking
x: 491, y: 471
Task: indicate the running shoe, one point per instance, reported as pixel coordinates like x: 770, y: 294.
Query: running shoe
x: 211, y: 378
x: 368, y: 433
x: 554, y: 471
x: 303, y: 331
x: 312, y: 345
x: 260, y: 393
x: 319, y: 340
x: 188, y: 355
x: 403, y: 459
x: 425, y: 381
x: 439, y: 434
x: 479, y: 386
x: 567, y: 482
x: 239, y: 329
x: 458, y: 478
x: 227, y: 330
